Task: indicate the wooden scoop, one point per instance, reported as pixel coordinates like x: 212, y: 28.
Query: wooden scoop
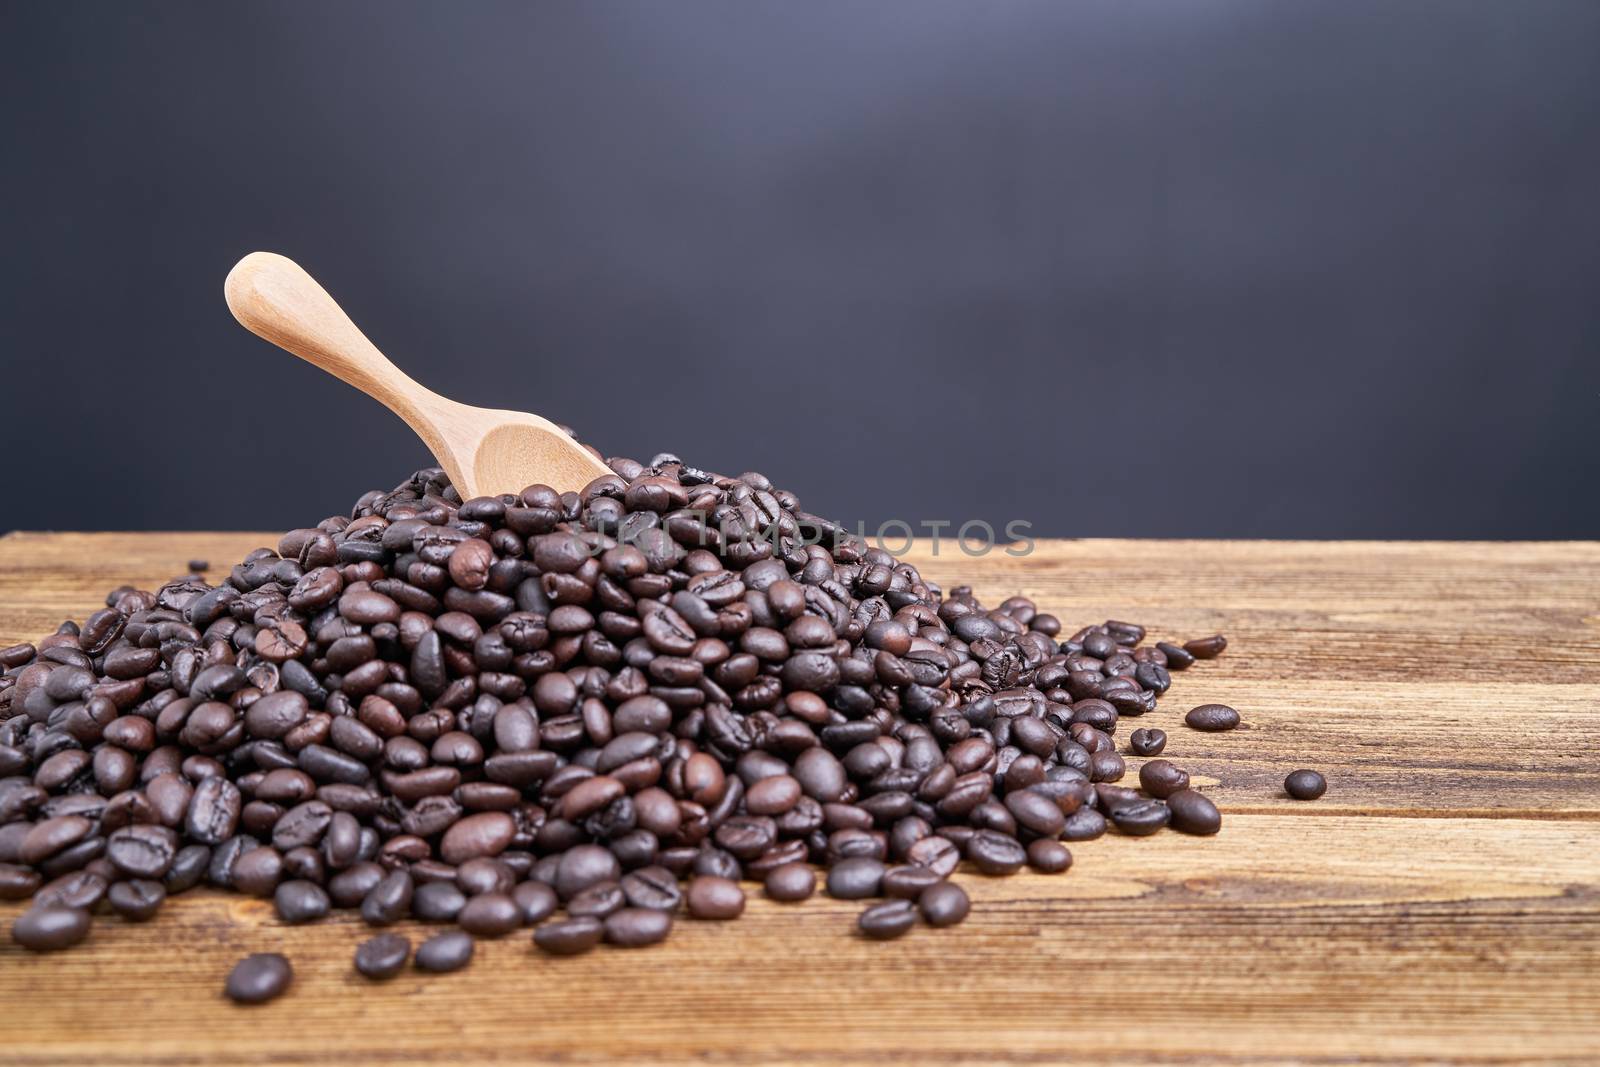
x: 485, y: 452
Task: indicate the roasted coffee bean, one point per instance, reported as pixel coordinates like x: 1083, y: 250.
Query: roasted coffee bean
x: 137, y: 899
x: 300, y: 901
x: 1212, y: 718
x: 389, y: 901
x: 50, y: 927
x: 652, y: 887
x: 383, y: 956
x: 1138, y: 818
x: 1161, y: 778
x: 1049, y: 857
x: 908, y: 882
x: 856, y: 878
x: 1206, y: 647
x: 569, y: 937
x: 537, y: 901
x: 1193, y: 812
x: 1147, y: 742
x: 637, y: 927
x: 490, y: 915
x: 944, y: 904
x: 888, y: 919
x: 437, y: 902
x: 715, y: 898
x: 259, y: 978
x: 1085, y: 824
x: 995, y: 853
x: 790, y: 882
x: 1305, y: 785
x: 446, y: 952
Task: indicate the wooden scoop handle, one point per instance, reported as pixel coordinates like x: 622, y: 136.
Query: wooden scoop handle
x: 276, y: 300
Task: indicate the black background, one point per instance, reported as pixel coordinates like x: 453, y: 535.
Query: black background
x: 1124, y: 268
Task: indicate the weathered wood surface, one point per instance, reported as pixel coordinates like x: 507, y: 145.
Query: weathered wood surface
x: 1441, y: 904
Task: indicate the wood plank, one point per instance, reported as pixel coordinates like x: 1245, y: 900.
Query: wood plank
x: 1322, y: 938
x: 1439, y: 905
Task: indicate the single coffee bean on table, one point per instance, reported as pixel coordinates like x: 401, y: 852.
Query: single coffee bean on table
x: 446, y: 952
x: 1305, y: 785
x: 889, y: 919
x: 483, y: 712
x: 259, y: 978
x: 383, y: 956
x: 1212, y: 718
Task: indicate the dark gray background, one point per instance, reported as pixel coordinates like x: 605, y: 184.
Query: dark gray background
x: 1222, y: 269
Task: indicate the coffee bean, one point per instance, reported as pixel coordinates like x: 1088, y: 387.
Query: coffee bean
x: 300, y: 901
x: 598, y: 901
x: 446, y: 952
x: 715, y: 898
x: 856, y: 878
x: 888, y: 919
x: 389, y: 901
x: 1305, y: 785
x: 137, y: 899
x: 1193, y: 812
x: 1206, y: 647
x: 537, y: 901
x: 490, y: 915
x: 995, y: 853
x: 909, y: 882
x: 637, y: 927
x: 1160, y: 778
x: 258, y: 978
x: 569, y: 937
x: 790, y: 882
x: 438, y: 902
x: 50, y: 927
x: 1138, y: 818
x: 383, y: 956
x: 1147, y: 742
x: 944, y: 904
x: 1050, y: 857
x: 1213, y: 718
x: 1085, y: 824
x: 653, y: 887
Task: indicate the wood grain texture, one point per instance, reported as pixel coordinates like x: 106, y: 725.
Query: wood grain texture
x: 1440, y: 905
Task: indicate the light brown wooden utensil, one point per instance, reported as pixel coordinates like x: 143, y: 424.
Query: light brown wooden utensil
x: 485, y: 452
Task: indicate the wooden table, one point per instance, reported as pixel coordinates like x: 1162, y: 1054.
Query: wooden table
x: 1439, y: 904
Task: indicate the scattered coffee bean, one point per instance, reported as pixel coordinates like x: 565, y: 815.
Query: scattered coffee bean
x: 637, y: 927
x: 715, y: 898
x: 569, y: 937
x: 1305, y: 785
x: 1147, y: 742
x: 944, y: 904
x: 1193, y: 812
x: 50, y: 927
x: 258, y: 978
x: 1160, y: 778
x: 888, y: 919
x: 856, y: 878
x: 383, y: 956
x: 1212, y: 718
x: 446, y: 952
x: 790, y: 882
x: 1206, y: 647
x: 137, y: 899
x: 1049, y: 857
x: 300, y: 901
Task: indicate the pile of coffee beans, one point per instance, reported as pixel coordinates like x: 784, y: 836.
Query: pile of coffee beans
x: 590, y: 713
